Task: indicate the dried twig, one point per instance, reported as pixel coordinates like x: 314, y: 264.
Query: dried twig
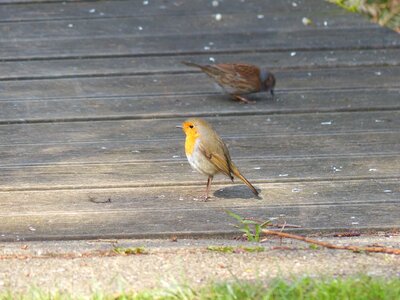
x: 275, y: 225
x: 332, y: 246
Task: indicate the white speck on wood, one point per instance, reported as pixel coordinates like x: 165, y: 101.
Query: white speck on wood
x: 326, y: 123
x: 218, y: 17
x: 306, y: 21
x: 337, y: 169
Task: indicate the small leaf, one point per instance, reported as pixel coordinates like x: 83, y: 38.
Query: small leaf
x: 237, y: 217
x: 130, y: 251
x: 224, y: 249
x: 250, y: 222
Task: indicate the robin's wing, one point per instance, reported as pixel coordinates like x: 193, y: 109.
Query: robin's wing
x: 220, y: 158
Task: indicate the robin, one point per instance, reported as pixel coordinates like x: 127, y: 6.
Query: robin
x: 239, y: 79
x: 208, y: 154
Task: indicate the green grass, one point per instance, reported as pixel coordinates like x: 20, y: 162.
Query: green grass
x: 365, y: 288
x: 252, y: 229
x: 384, y: 12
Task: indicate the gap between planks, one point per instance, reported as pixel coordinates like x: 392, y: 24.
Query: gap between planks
x: 195, y: 184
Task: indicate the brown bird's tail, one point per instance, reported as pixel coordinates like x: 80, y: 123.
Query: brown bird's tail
x: 190, y: 64
x: 237, y: 173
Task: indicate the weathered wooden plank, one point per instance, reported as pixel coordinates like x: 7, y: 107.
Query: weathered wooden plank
x: 166, y: 150
x: 7, y: 2
x: 53, y: 10
x: 196, y: 83
x: 144, y: 213
x: 188, y: 105
x: 148, y: 65
x: 174, y: 25
x: 132, y: 131
x: 263, y: 168
x: 318, y: 39
x: 273, y: 194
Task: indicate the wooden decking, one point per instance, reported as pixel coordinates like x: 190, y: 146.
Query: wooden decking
x: 91, y: 93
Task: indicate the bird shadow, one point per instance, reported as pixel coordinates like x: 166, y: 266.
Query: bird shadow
x: 236, y: 191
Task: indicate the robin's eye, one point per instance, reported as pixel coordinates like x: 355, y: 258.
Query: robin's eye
x: 191, y: 126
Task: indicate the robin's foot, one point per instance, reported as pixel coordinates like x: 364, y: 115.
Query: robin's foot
x: 243, y: 99
x: 205, y: 198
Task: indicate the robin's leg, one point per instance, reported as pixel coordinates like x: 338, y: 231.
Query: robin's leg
x: 210, y: 178
x: 242, y: 99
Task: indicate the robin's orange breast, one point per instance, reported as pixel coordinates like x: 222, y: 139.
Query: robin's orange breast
x: 190, y: 143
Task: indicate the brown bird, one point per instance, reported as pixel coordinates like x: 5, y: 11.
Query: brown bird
x: 239, y: 79
x: 208, y: 154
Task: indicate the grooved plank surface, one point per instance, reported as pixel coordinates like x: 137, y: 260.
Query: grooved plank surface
x: 144, y: 174
x: 168, y: 106
x: 119, y: 9
x: 114, y: 66
x: 165, y: 26
x: 149, y: 211
x: 195, y: 83
x: 114, y: 45
x: 91, y: 92
x: 149, y: 130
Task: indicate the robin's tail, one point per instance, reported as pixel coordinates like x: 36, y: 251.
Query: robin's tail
x: 237, y: 173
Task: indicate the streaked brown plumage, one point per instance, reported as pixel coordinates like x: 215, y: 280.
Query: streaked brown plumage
x: 239, y: 79
x: 208, y: 154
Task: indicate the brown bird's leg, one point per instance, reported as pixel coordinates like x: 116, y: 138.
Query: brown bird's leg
x: 210, y: 178
x: 242, y: 99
